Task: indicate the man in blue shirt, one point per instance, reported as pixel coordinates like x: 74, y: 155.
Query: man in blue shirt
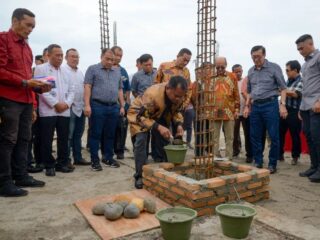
x: 102, y: 92
x: 265, y: 80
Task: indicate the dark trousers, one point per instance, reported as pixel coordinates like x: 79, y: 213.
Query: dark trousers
x: 140, y: 153
x: 245, y: 122
x: 293, y: 123
x: 121, y: 135
x: 103, y: 120
x: 265, y: 116
x: 15, y: 134
x: 187, y: 123
x: 76, y: 129
x: 34, y: 144
x: 47, y: 126
x: 311, y: 129
x: 133, y: 140
x: 158, y: 142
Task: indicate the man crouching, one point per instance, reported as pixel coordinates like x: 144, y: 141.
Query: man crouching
x: 158, y: 109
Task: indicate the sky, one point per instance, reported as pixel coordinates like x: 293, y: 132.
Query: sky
x: 163, y: 27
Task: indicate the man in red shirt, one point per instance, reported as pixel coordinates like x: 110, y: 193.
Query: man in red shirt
x: 16, y: 104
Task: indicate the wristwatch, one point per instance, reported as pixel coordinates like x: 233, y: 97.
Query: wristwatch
x: 24, y: 83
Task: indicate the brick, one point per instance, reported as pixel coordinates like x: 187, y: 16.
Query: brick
x: 225, y: 164
x: 244, y: 168
x: 178, y: 191
x: 158, y: 189
x: 243, y: 177
x: 226, y: 172
x: 262, y: 173
x: 216, y: 201
x: 205, y: 211
x: 199, y: 195
x: 164, y: 184
x: 185, y: 202
x: 190, y: 187
x: 159, y: 174
x: 146, y: 182
x: 254, y: 185
x: 218, y: 170
x: 265, y: 180
x: 166, y: 166
x: 171, y: 195
x: 229, y: 179
x: 263, y: 189
x: 245, y: 194
x: 239, y: 188
x: 186, y: 165
x: 253, y: 199
x: 215, y: 182
x: 172, y: 178
x: 152, y: 179
x: 147, y: 170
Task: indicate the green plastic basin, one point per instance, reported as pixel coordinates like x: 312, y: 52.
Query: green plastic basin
x: 235, y: 219
x: 176, y: 153
x: 176, y: 222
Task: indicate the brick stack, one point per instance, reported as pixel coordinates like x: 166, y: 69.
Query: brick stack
x: 170, y: 183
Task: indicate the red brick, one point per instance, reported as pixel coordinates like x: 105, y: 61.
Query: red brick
x: 172, y: 178
x: 223, y: 163
x: 152, y: 179
x: 265, y: 180
x: 163, y: 184
x: 218, y: 170
x: 205, y: 211
x: 198, y: 195
x: 254, y: 185
x: 215, y: 182
x: 253, y: 198
x: 244, y: 168
x: 166, y: 166
x: 178, y: 191
x: 185, y: 202
x: 158, y: 189
x: 216, y: 201
x: 245, y: 194
x: 243, y: 177
x: 190, y: 187
x: 146, y: 182
x: 171, y: 195
x: 263, y: 189
x: 168, y: 200
x: 159, y: 174
x: 225, y: 172
x: 262, y: 173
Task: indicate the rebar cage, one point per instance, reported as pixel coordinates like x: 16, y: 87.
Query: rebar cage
x: 104, y: 24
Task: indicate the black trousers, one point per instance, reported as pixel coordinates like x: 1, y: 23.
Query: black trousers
x: 245, y: 122
x: 293, y: 123
x: 47, y: 127
x: 158, y: 142
x: 121, y: 135
x: 34, y: 144
x: 15, y: 133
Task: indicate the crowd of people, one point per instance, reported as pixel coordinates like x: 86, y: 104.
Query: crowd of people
x: 33, y: 110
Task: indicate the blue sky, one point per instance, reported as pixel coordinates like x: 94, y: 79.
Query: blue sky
x: 163, y: 27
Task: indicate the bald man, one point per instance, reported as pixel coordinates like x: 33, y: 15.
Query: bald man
x: 226, y: 105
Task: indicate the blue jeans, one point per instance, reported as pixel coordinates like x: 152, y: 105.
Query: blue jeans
x: 265, y: 116
x: 103, y: 123
x: 76, y: 129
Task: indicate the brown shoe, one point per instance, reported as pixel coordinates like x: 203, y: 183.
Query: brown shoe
x: 294, y: 161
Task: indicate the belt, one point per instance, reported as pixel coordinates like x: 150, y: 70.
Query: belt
x: 265, y: 100
x: 104, y: 103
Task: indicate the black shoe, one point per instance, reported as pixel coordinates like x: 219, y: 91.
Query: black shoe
x: 64, y: 169
x: 120, y: 156
x: 281, y: 159
x: 249, y: 160
x: 259, y: 166
x: 50, y: 172
x: 82, y: 162
x: 315, y: 177
x: 96, y: 167
x: 272, y: 170
x: 29, y: 181
x: 236, y: 154
x: 111, y: 163
x: 10, y: 190
x: 138, y: 183
x: 308, y: 172
x: 32, y: 169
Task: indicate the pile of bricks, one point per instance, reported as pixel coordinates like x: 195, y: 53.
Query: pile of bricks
x: 170, y: 183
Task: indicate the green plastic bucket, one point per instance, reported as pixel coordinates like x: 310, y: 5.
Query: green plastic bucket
x: 176, y: 222
x: 235, y: 219
x: 176, y: 153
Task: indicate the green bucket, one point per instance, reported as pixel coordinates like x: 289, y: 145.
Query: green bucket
x: 235, y: 219
x: 176, y: 222
x: 176, y: 153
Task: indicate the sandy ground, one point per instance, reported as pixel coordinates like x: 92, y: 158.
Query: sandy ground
x: 49, y: 213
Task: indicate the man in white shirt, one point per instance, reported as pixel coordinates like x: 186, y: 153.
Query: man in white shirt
x: 54, y: 111
x: 77, y: 118
x: 237, y: 70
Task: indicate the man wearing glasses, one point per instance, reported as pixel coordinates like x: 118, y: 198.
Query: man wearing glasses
x: 265, y: 80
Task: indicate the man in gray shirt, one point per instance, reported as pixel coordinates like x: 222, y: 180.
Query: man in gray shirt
x: 265, y: 80
x: 144, y: 78
x: 310, y: 103
x: 102, y: 90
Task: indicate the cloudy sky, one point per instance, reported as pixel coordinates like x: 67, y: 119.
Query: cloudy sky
x: 163, y: 27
